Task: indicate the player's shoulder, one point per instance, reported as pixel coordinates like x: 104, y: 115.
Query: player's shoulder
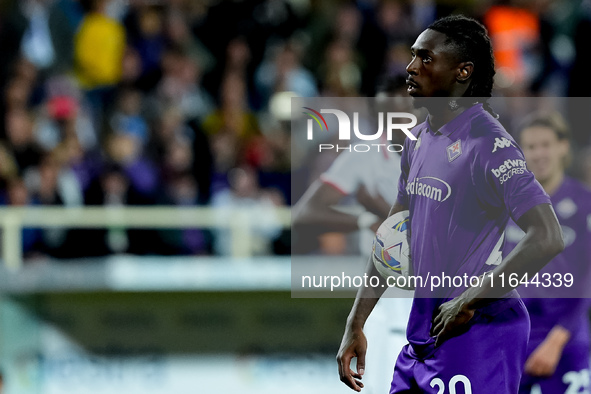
x: 485, y: 128
x: 419, y: 128
x: 416, y: 131
x: 488, y: 137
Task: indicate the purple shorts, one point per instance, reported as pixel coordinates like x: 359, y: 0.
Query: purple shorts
x: 485, y: 359
x: 571, y: 376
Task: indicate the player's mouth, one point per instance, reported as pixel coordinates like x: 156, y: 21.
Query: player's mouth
x: 412, y: 86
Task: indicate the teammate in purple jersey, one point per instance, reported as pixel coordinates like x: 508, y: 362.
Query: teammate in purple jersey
x: 558, y: 350
x: 461, y: 180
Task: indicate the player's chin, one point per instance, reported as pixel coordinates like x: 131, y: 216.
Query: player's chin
x: 414, y: 91
x: 419, y: 101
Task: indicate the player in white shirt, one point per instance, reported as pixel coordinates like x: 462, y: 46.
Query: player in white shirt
x: 371, y: 177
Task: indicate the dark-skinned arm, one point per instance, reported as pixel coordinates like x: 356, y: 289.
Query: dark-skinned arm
x: 542, y: 241
x: 354, y: 343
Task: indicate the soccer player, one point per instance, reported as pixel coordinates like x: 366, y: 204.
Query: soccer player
x: 558, y: 349
x: 371, y: 178
x: 462, y: 179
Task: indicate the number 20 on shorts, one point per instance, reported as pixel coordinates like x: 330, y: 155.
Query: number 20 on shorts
x: 436, y: 382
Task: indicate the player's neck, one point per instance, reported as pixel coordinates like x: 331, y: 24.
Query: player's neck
x: 441, y: 116
x: 552, y: 184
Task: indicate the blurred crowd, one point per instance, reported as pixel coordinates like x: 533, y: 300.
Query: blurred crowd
x: 182, y: 102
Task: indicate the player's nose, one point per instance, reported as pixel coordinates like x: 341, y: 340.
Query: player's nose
x: 411, y: 69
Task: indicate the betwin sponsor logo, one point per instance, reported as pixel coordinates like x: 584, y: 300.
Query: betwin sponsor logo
x: 430, y: 187
x: 509, y: 168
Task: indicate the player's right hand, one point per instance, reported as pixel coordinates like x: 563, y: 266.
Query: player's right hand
x: 354, y: 344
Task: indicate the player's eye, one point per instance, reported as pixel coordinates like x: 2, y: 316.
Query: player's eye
x: 427, y: 59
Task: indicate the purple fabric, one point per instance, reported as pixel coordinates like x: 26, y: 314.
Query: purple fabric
x: 461, y: 185
x: 571, y: 376
x: 481, y: 358
x: 143, y: 176
x: 572, y: 203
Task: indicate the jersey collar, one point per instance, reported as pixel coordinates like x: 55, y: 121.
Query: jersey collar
x: 456, y: 123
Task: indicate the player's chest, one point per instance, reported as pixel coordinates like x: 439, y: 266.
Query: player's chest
x: 439, y: 170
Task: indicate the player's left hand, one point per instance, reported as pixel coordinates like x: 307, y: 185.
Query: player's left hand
x: 449, y: 317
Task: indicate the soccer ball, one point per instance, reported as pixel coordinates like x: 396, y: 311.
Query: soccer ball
x: 391, y: 250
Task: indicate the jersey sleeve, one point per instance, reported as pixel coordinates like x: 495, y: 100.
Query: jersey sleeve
x: 502, y: 178
x: 344, y: 173
x: 402, y: 198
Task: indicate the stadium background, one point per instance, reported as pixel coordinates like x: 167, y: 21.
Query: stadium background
x: 185, y: 103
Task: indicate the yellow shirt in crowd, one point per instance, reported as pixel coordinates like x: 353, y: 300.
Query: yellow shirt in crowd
x: 99, y: 48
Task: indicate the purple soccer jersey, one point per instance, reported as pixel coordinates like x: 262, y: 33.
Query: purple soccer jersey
x: 461, y: 185
x: 572, y: 203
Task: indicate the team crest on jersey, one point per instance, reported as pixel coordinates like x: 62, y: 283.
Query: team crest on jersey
x: 454, y: 150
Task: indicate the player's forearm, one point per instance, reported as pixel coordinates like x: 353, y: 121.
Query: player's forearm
x: 542, y: 242
x: 528, y: 257
x: 558, y: 336
x: 367, y: 298
x: 329, y: 219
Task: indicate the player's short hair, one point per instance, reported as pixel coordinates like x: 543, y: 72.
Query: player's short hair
x: 552, y: 120
x: 470, y: 41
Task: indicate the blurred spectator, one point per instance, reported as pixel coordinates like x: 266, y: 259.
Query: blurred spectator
x: 145, y: 27
x: 8, y: 167
x: 178, y: 34
x: 283, y: 72
x: 127, y: 118
x: 127, y: 152
x: 12, y: 29
x: 514, y: 31
x: 340, y: 72
x: 52, y: 184
x: 37, y: 45
x: 64, y: 118
x: 99, y: 48
x: 232, y: 127
x: 181, y: 190
x: 17, y: 195
x: 19, y: 132
x: 135, y: 102
x: 180, y: 86
x: 245, y: 193
x: 85, y: 165
x: 98, y: 53
x: 16, y: 94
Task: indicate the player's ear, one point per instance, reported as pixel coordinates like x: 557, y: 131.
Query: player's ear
x: 465, y: 70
